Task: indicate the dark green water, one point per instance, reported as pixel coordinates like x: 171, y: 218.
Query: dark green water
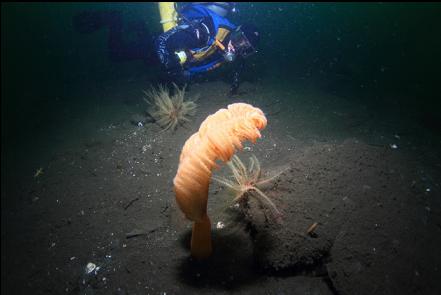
x: 382, y: 47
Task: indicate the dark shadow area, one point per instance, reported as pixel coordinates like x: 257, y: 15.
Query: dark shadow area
x: 235, y: 259
x: 230, y: 266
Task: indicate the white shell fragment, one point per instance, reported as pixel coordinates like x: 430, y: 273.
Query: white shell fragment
x: 220, y: 225
x: 90, y: 267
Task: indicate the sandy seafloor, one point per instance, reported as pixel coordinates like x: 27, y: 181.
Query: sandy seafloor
x: 103, y: 179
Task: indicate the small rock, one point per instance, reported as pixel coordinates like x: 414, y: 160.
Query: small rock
x: 136, y: 119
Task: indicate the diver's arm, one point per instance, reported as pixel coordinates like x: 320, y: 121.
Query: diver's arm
x: 180, y: 38
x: 166, y: 46
x: 238, y: 69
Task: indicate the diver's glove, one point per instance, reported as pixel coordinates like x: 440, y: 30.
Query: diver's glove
x: 181, y: 56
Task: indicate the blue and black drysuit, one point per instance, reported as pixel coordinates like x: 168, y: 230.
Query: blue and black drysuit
x: 196, y: 35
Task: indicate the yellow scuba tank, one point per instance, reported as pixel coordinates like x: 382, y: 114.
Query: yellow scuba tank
x: 168, y: 15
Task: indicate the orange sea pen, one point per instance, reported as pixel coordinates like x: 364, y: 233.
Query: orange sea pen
x: 219, y: 136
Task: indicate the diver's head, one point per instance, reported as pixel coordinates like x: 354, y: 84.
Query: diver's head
x: 243, y: 42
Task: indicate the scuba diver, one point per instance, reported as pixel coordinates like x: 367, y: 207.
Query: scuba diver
x: 198, y: 37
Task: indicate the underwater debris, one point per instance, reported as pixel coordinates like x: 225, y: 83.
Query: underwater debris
x: 91, y: 267
x: 130, y: 203
x: 38, y: 172
x: 140, y: 120
x: 312, y: 228
x: 220, y: 225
